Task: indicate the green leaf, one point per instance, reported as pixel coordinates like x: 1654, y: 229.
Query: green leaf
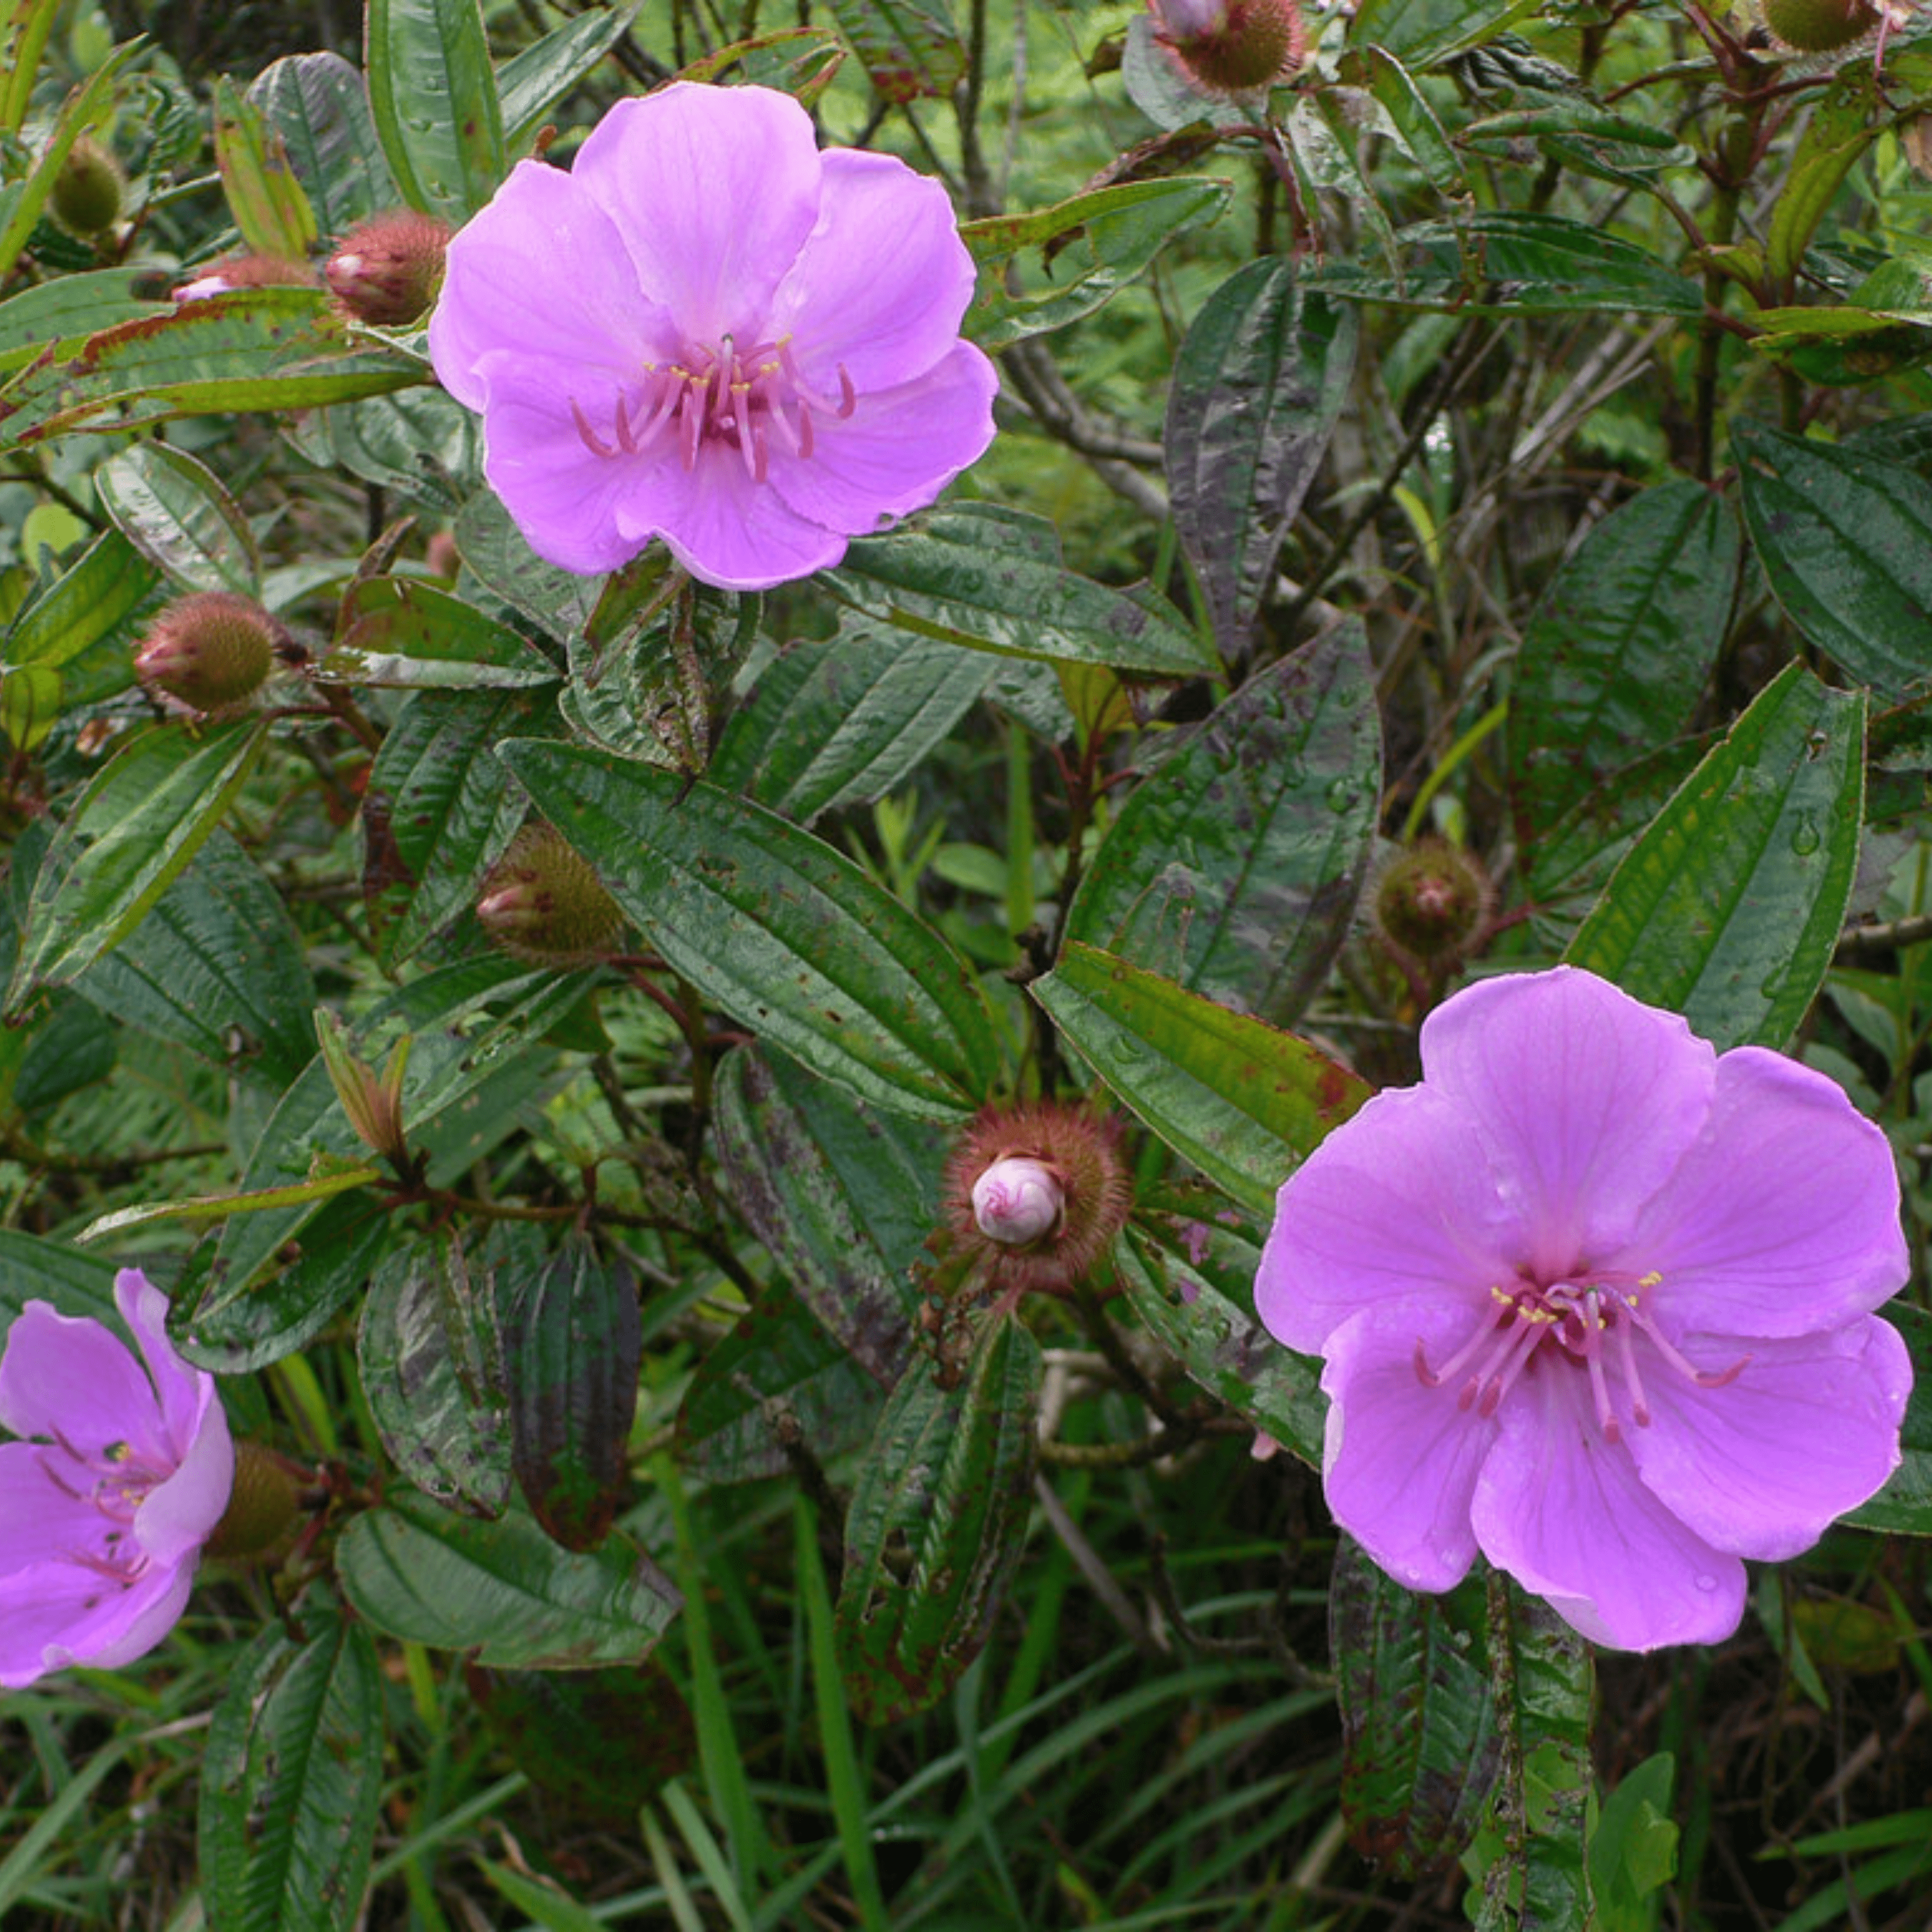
x: 323, y: 1186
x: 1845, y: 540
x: 1257, y: 387
x: 503, y: 1589
x: 75, y: 1283
x: 24, y: 30
x: 974, y: 575
x: 422, y: 444
x: 267, y: 200
x: 65, y: 312
x: 141, y: 818
x: 217, y: 967
x: 844, y: 722
x: 399, y: 632
x: 572, y: 1344
x: 292, y: 1780
x: 786, y: 935
x: 1728, y: 908
x: 1423, y: 34
x: 1506, y: 262
x: 86, y: 108
x: 1242, y: 1100
x: 1191, y: 1285
x: 1235, y: 866
x: 319, y: 104
x: 1842, y: 124
x: 777, y: 1381
x: 1427, y: 141
x: 908, y: 48
x: 936, y: 1525
x: 1093, y: 246
x: 92, y: 600
x: 432, y: 93
x: 175, y: 511
x: 1619, y: 650
x: 535, y: 80
x: 1633, y: 1849
x: 447, y: 807
x: 1904, y: 1506
x: 1420, y: 1741
x: 1544, y: 1689
x: 560, y: 603
x: 842, y: 1195
x: 256, y: 350
x: 449, y: 1438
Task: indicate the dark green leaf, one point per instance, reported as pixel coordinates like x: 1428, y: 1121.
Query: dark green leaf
x: 786, y: 934
x: 1423, y: 33
x: 401, y: 632
x: 1619, y: 650
x: 966, y: 574
x: 908, y: 48
x: 292, y: 1780
x: 843, y: 1196
x: 32, y: 1268
x: 1728, y: 907
x: 1846, y: 539
x: 175, y: 511
x: 1420, y: 1741
x: 421, y: 443
x: 572, y: 1344
x: 936, y: 1525
x: 503, y: 1589
x: 1242, y: 1100
x: 1423, y: 135
x: 433, y: 94
x: 532, y: 82
x: 1256, y: 389
x: 1235, y: 866
x: 319, y: 104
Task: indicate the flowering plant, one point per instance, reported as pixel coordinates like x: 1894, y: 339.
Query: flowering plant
x: 709, y: 332
x: 1596, y: 1301
x: 124, y: 1472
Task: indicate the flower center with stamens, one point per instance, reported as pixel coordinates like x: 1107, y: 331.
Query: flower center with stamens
x: 1595, y: 1322
x: 116, y: 1482
x: 750, y: 399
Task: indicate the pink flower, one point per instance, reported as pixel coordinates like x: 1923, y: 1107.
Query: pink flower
x: 1596, y: 1301
x: 708, y: 331
x: 104, y: 1509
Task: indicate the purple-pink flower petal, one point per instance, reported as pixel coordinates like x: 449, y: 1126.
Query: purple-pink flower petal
x: 37, y: 1514
x: 64, y: 1378
x: 1571, y: 1521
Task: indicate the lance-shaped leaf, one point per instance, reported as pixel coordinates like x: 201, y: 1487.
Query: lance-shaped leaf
x: 908, y: 48
x: 532, y: 81
x: 1728, y: 907
x: 265, y: 197
x: 85, y: 108
x: 842, y: 1195
x: 88, y: 602
x: 448, y: 1436
x: 1422, y: 33
x: 1257, y: 386
x: 1241, y: 1099
x: 1193, y: 1289
x: 319, y: 104
x: 141, y: 820
x: 1619, y: 650
x: 936, y: 1525
x: 503, y: 1589
x: 974, y: 575
x: 1842, y: 125
x: 178, y: 514
x: 1419, y: 1740
x: 1845, y: 540
x: 433, y: 94
x: 572, y: 1343
x: 1235, y: 866
x: 785, y: 934
x: 292, y: 1780
x: 396, y: 630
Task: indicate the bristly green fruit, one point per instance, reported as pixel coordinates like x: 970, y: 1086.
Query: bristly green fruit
x: 543, y: 903
x: 209, y: 653
x: 90, y: 190
x: 1820, y: 26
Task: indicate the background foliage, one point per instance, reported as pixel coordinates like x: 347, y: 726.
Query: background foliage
x: 1514, y: 431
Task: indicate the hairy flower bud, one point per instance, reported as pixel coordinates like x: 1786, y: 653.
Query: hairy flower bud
x: 1432, y: 902
x: 210, y: 653
x: 1232, y: 46
x: 88, y: 192
x: 543, y: 903
x: 261, y: 1507
x: 243, y: 272
x: 387, y: 270
x: 1037, y: 1193
x: 1820, y: 26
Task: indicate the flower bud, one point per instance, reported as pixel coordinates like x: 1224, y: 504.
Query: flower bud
x: 1036, y: 1193
x: 1017, y: 1202
x: 88, y: 192
x: 243, y: 272
x: 543, y: 903
x: 1232, y: 46
x: 387, y: 271
x: 1819, y: 26
x: 1432, y: 902
x: 208, y: 653
x: 261, y: 1506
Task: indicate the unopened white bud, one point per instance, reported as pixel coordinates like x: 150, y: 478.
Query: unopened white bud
x: 1018, y: 1201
